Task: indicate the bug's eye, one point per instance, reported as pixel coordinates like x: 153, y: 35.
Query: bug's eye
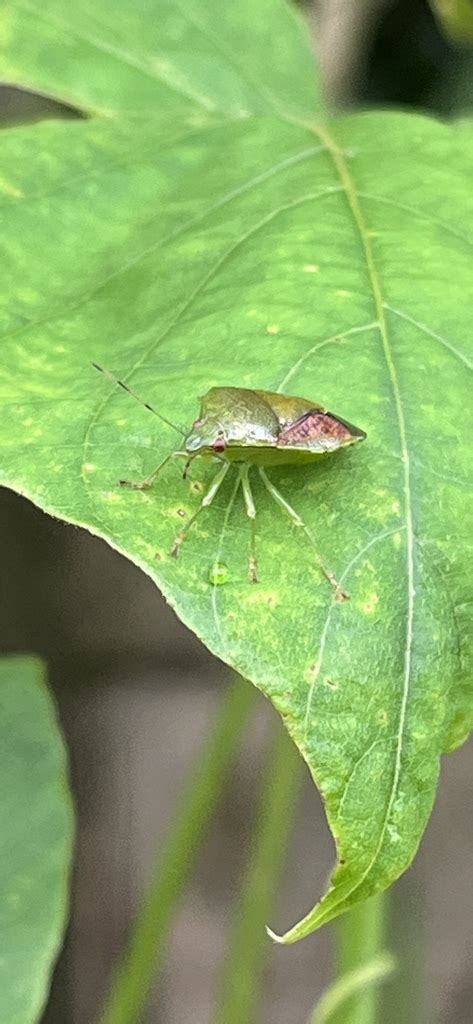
x: 219, y: 444
x: 196, y: 424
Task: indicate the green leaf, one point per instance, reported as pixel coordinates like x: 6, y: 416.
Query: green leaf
x: 330, y: 259
x: 35, y: 843
x: 171, y: 59
x: 456, y: 17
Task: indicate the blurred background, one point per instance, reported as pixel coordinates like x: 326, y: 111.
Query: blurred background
x: 137, y: 693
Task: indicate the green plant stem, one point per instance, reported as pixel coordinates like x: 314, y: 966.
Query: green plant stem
x: 405, y: 995
x: 356, y: 983
x: 360, y: 938
x: 249, y: 944
x: 135, y: 974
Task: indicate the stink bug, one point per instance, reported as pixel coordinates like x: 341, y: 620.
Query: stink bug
x: 254, y: 428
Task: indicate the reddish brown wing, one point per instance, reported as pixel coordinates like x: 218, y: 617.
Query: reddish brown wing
x: 317, y: 425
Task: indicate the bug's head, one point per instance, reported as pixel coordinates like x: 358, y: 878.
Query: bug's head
x: 216, y: 425
x: 207, y: 435
x: 230, y: 418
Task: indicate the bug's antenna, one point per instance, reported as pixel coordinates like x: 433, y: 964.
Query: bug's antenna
x: 137, y: 398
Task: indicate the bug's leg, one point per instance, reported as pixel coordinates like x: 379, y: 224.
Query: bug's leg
x: 142, y: 485
x: 251, y: 513
x: 340, y: 594
x: 206, y: 501
x: 188, y: 462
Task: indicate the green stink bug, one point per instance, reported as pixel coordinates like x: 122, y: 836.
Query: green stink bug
x: 254, y: 428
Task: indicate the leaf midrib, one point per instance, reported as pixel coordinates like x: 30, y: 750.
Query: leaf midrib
x: 349, y: 187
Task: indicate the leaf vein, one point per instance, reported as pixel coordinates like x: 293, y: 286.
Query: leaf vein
x: 112, y: 165
x: 188, y: 302
x: 321, y: 344
x: 181, y: 229
x: 261, y: 90
x: 333, y: 605
x: 117, y: 53
x: 365, y: 754
x: 417, y: 213
x: 431, y: 334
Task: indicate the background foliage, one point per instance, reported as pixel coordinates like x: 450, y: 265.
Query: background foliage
x: 35, y: 845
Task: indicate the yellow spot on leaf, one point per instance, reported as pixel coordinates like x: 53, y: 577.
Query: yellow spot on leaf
x: 369, y: 606
x: 11, y: 190
x: 112, y: 496
x: 311, y: 268
x: 343, y: 293
x: 259, y: 596
x: 312, y: 673
x: 149, y: 551
x: 88, y: 467
x: 273, y: 329
x: 31, y: 296
x: 396, y: 508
